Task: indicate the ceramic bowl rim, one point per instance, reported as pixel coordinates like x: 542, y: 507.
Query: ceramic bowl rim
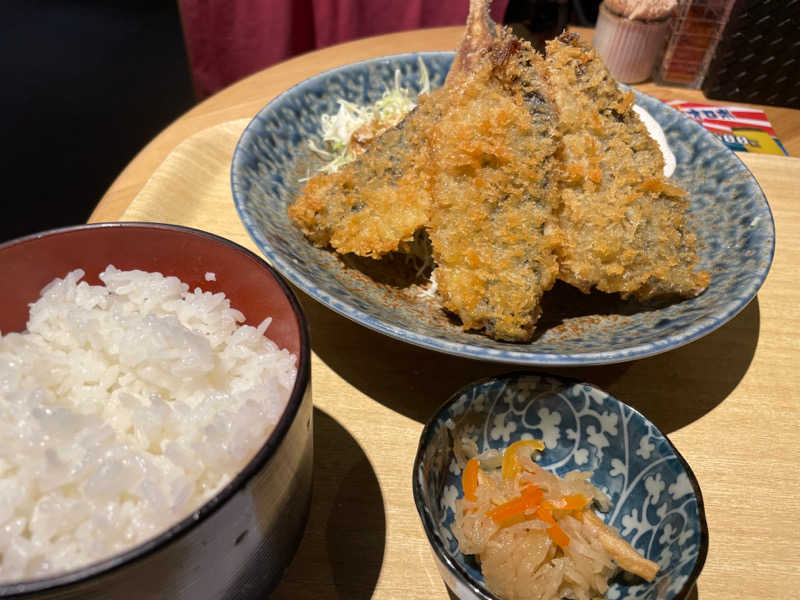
x: 455, y: 568
x: 105, y: 566
x: 512, y: 355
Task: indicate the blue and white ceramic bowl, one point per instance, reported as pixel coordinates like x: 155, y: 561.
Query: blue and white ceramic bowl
x: 655, y: 498
x: 728, y: 212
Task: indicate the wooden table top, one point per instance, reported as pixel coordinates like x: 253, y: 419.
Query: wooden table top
x: 727, y: 401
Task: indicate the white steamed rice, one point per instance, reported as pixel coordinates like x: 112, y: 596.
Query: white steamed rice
x: 122, y: 409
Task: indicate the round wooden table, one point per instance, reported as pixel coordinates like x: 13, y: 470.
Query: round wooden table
x: 727, y: 401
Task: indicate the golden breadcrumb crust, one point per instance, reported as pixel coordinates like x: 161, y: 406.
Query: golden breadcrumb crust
x: 624, y: 224
x: 373, y: 204
x: 521, y: 169
x: 494, y: 194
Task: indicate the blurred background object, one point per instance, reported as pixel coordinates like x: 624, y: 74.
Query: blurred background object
x: 539, y: 20
x: 86, y: 84
x: 758, y: 58
x: 694, y: 33
x: 629, y: 36
x: 229, y: 39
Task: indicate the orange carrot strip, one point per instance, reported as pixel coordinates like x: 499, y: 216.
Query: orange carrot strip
x: 518, y: 518
x: 558, y: 536
x: 511, y: 464
x: 554, y: 531
x: 545, y: 515
x: 469, y: 480
x: 574, y: 502
x: 509, y: 509
x: 532, y: 490
x: 530, y: 499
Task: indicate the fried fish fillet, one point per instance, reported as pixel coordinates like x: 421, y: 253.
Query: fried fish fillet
x: 494, y: 189
x: 624, y: 224
x: 371, y: 206
x: 376, y: 204
x: 473, y: 164
x: 520, y: 170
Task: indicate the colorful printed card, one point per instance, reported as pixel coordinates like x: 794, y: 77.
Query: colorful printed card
x: 743, y: 129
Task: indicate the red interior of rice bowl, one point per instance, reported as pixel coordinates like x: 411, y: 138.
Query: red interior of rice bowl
x: 27, y: 265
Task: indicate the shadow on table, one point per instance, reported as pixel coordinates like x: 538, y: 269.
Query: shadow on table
x: 691, y: 595
x: 341, y: 553
x: 678, y: 387
x: 672, y: 389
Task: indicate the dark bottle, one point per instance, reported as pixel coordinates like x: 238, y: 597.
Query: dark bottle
x: 538, y: 20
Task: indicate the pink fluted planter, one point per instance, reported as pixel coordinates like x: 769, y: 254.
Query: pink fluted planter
x: 629, y: 47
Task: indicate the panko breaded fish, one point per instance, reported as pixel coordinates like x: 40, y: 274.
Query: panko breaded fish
x: 494, y: 187
x: 624, y: 223
x: 371, y: 206
x: 520, y: 169
x: 472, y: 164
x: 376, y: 204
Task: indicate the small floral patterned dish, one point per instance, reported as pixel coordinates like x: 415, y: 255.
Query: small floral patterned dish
x: 728, y: 212
x: 655, y: 498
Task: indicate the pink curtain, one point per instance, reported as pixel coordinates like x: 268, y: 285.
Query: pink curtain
x: 230, y: 39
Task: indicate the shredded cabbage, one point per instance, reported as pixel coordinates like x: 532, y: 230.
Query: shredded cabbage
x: 354, y: 123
